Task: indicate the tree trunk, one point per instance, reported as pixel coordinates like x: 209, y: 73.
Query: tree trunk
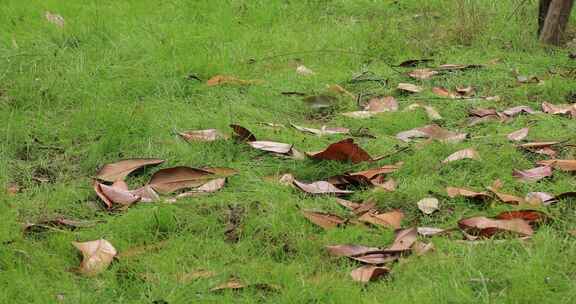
x: 542, y: 12
x: 556, y: 20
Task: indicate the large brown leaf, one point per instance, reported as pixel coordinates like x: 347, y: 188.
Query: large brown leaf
x: 404, y: 240
x: 119, y: 170
x: 462, y: 154
x: 384, y: 104
x: 367, y: 273
x: 562, y: 164
x: 209, y: 187
x: 487, y: 227
x: 518, y: 135
x: 173, y: 179
x: 323, y: 219
x: 456, y: 192
x: 345, y: 150
x: 113, y: 195
x: 533, y: 217
x: 320, y: 187
x: 391, y: 219
x: 270, y: 146
x: 559, y: 109
x: 97, y: 256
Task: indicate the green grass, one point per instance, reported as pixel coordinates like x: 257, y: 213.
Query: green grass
x: 114, y: 84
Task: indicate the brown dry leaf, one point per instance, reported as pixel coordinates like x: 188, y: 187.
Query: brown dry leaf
x: 384, y: 104
x: 430, y: 231
x: 119, y: 170
x: 391, y: 219
x: 539, y: 198
x: 462, y: 154
x: 323, y: 131
x: 320, y: 187
x: 404, y: 240
x: 176, y: 178
x: 518, y: 135
x: 357, y: 208
x: 518, y: 110
x: 553, y: 109
x: 367, y: 273
x: 443, y: 92
x: 225, y: 79
x: 55, y: 19
x: 112, y: 195
x: 323, y: 219
x: 270, y: 146
x: 487, y: 227
x: 483, y: 112
x: 433, y: 132
x: 561, y: 164
x: 146, y: 194
x: 533, y: 175
x: 372, y: 173
x: 422, y: 74
x: 202, y: 135
x: 350, y: 250
x: 242, y: 134
x: 120, y: 184
x: 209, y: 187
x: 456, y: 192
x: 428, y: 205
x: 97, y: 256
x: 345, y: 150
x: 532, y: 217
x: 387, y: 185
x: 410, y: 88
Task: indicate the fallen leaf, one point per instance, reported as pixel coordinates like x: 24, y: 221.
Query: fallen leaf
x: 505, y: 198
x: 372, y: 173
x: 559, y: 109
x: 97, y: 256
x: 561, y: 164
x: 226, y: 79
x: 443, y: 92
x: 391, y: 219
x: 146, y: 194
x: 302, y: 70
x: 532, y: 217
x: 404, y: 240
x: 386, y: 185
x: 518, y: 135
x: 202, y: 135
x: 323, y: 131
x: 323, y: 219
x: 422, y: 74
x: 430, y: 231
x: 176, y: 178
x: 428, y: 205
x: 368, y: 273
x: 357, y: 208
x: 462, y: 154
x: 345, y: 150
x: 539, y: 198
x: 487, y: 227
x: 413, y: 62
x: 320, y: 187
x: 533, y: 175
x: 350, y: 250
x: 544, y: 148
x: 518, y: 110
x: 456, y: 192
x: 270, y: 146
x: 408, y: 87
x: 384, y: 104
x: 55, y: 19
x: 112, y: 195
x: 119, y: 170
x: 209, y: 187
x: 242, y: 134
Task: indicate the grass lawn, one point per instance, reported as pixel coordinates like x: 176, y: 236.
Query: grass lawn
x: 121, y: 78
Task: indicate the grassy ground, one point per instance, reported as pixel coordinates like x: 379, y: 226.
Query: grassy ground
x: 114, y: 84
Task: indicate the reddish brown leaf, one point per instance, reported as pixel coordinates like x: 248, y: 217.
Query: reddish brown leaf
x: 410, y: 88
x: 173, y: 179
x: 404, y: 240
x: 367, y: 273
x: 118, y: 195
x: 544, y: 148
x: 391, y: 219
x: 242, y: 134
x: 202, y: 135
x: 323, y: 219
x: 119, y: 170
x: 462, y: 154
x: 97, y: 256
x: 371, y: 173
x: 518, y: 135
x: 487, y: 227
x: 533, y: 175
x: 561, y: 164
x: 483, y: 112
x: 320, y: 187
x: 530, y: 216
x: 456, y: 192
x: 345, y: 150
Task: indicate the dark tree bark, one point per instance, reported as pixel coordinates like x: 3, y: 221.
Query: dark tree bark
x: 556, y: 20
